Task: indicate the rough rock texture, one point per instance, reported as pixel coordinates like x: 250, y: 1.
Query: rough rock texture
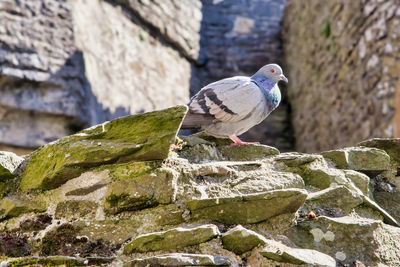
x: 131, y: 138
x: 343, y: 66
x: 43, y: 86
x: 264, y: 209
x: 70, y: 64
x: 281, y: 253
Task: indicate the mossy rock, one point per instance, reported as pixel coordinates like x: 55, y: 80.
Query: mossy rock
x: 240, y: 240
x: 390, y: 145
x: 14, y: 206
x: 338, y: 197
x: 248, y: 152
x: 180, y: 259
x: 76, y: 209
x: 135, y: 193
x: 281, y: 253
x: 359, y: 158
x: 252, y: 208
x: 172, y: 239
x: 132, y: 138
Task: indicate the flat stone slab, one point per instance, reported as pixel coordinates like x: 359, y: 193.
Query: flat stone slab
x: 180, y: 259
x: 250, y: 208
x: 359, y: 158
x: 240, y: 240
x: 143, y: 191
x: 55, y: 261
x: 13, y: 206
x: 339, y: 197
x: 278, y: 252
x: 172, y: 239
x: 349, y: 238
x: 140, y: 137
x: 248, y: 152
x: 390, y: 145
x: 200, y: 148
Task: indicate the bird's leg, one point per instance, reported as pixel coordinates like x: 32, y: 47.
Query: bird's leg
x: 238, y: 142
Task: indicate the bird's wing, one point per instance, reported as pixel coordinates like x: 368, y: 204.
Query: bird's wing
x: 228, y: 100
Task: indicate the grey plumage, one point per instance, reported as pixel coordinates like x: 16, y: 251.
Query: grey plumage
x: 231, y: 106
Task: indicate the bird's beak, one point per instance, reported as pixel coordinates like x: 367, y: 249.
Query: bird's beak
x: 283, y: 78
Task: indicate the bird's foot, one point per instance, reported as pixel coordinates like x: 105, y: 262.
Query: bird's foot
x: 238, y: 142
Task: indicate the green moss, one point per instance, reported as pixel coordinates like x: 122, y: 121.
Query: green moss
x: 326, y: 29
x: 76, y: 209
x: 132, y: 138
x: 14, y: 206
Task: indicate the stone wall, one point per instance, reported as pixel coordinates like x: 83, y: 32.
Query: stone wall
x: 68, y: 64
x: 127, y: 193
x: 137, y: 53
x: 344, y: 67
x: 43, y: 88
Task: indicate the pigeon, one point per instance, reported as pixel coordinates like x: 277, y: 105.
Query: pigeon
x: 230, y: 107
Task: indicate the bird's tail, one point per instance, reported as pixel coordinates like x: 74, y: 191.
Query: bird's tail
x: 194, y: 121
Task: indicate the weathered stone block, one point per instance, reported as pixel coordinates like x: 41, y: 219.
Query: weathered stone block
x: 180, y: 259
x: 13, y: 206
x: 338, y: 197
x: 133, y: 193
x: 359, y: 158
x: 349, y: 239
x: 248, y: 152
x: 250, y: 208
x: 360, y: 180
x: 240, y: 240
x: 172, y: 239
x: 281, y: 253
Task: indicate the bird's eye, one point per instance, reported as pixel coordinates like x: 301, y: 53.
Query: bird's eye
x: 272, y: 70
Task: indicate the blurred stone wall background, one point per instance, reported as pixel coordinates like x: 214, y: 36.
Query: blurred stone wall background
x: 68, y: 64
x: 343, y: 62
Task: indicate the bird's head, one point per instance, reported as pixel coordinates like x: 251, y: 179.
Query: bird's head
x: 271, y: 71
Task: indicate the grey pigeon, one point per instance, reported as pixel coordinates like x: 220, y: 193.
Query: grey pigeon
x: 230, y: 107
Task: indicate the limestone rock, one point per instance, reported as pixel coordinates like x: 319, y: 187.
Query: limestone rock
x: 240, y: 240
x: 249, y: 152
x: 359, y: 158
x: 199, y: 148
x: 390, y: 145
x: 13, y: 206
x: 8, y: 163
x: 349, y: 238
x: 314, y: 170
x: 46, y: 261
x: 180, y: 259
x: 133, y: 193
x: 278, y: 252
x: 76, y: 209
x: 339, y: 198
x: 231, y: 179
x: 387, y: 218
x: 132, y: 138
x: 171, y: 239
x: 360, y: 180
x: 250, y: 208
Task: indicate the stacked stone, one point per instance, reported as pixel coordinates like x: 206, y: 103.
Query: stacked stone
x: 124, y: 193
x: 343, y: 64
x: 42, y: 84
